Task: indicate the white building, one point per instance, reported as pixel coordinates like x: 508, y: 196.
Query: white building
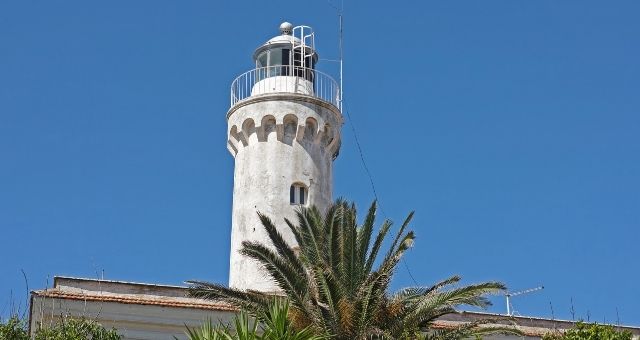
x: 158, y: 312
x: 284, y: 133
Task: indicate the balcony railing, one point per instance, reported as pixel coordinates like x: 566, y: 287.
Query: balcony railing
x: 285, y: 79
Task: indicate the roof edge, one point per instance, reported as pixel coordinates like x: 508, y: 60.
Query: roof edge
x: 81, y: 279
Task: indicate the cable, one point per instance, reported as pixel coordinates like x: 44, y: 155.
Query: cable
x: 364, y: 163
x: 340, y: 12
x: 373, y: 186
x: 409, y: 271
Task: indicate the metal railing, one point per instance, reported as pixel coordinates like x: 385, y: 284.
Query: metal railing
x: 285, y: 79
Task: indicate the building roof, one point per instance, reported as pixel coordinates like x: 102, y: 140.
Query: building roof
x: 529, y: 325
x: 127, y: 293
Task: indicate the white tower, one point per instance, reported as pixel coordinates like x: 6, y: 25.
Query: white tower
x: 284, y: 132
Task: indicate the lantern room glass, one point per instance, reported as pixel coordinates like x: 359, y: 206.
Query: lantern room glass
x: 269, y: 60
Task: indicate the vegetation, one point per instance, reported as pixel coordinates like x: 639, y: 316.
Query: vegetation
x: 13, y: 328
x: 68, y: 329
x: 76, y: 329
x: 274, y: 325
x: 593, y: 331
x: 338, y: 284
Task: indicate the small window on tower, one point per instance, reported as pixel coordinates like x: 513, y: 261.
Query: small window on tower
x: 298, y: 194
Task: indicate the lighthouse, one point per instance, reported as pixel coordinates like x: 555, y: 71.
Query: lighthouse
x: 284, y: 133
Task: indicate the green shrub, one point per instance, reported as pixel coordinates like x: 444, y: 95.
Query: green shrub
x: 13, y: 328
x: 593, y: 331
x: 273, y: 324
x: 76, y: 329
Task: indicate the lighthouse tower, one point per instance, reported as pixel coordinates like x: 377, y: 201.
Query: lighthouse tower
x: 284, y: 133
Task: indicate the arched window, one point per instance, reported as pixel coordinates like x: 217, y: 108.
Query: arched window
x: 298, y: 194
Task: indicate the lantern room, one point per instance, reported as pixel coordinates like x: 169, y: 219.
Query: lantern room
x: 290, y: 53
x: 286, y: 64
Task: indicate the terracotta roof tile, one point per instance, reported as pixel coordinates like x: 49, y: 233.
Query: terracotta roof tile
x: 137, y: 299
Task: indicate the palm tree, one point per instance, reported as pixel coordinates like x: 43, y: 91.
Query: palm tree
x: 338, y: 284
x: 275, y: 325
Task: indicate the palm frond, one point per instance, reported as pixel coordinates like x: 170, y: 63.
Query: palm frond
x: 364, y: 239
x: 282, y: 247
x: 248, y: 300
x: 471, y: 330
x: 415, y: 292
x: 373, y: 254
x: 330, y: 296
x: 399, y: 234
x: 309, y: 244
x: 426, y: 308
x: 290, y: 279
x: 389, y: 263
x: 208, y: 332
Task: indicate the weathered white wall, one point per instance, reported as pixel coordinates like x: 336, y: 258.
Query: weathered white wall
x: 132, y: 321
x: 277, y: 140
x: 280, y: 84
x: 138, y: 311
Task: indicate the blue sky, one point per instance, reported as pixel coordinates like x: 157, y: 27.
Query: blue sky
x: 510, y: 127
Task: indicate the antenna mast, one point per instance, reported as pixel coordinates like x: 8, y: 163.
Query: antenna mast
x: 341, y: 58
x: 340, y: 48
x: 509, y: 295
x: 341, y: 51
